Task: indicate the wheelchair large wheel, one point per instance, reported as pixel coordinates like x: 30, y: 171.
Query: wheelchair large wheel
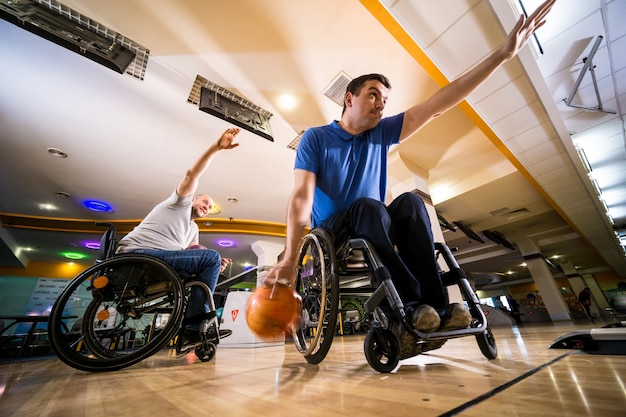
x: 487, y: 344
x: 318, y: 285
x: 116, y: 313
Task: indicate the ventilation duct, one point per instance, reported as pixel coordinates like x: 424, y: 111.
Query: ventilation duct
x: 226, y: 105
x: 467, y: 231
x: 498, y: 238
x: 69, y: 29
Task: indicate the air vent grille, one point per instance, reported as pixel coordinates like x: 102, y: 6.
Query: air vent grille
x: 336, y: 90
x: 294, y: 143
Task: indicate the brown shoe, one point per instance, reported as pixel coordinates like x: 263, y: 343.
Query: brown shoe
x: 457, y: 317
x: 408, y: 344
x: 425, y: 319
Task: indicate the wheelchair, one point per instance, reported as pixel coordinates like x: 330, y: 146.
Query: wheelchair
x: 325, y: 271
x: 124, y: 309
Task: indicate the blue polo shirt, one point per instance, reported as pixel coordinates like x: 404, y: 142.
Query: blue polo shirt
x: 347, y: 167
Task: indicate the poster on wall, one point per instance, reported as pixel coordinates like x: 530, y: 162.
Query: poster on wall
x: 43, y: 296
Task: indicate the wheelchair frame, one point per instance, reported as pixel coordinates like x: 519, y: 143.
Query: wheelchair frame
x: 96, y: 320
x: 319, y: 269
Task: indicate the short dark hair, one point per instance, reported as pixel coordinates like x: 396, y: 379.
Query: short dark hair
x: 355, y: 85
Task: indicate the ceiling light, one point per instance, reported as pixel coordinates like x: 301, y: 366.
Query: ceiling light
x: 47, y: 206
x: 226, y: 243
x: 63, y: 194
x: 98, y: 206
x: 287, y: 102
x: 74, y: 255
x: 232, y: 200
x: 92, y: 245
x: 57, y: 152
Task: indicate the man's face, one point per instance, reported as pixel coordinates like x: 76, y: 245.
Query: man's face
x: 369, y: 104
x: 202, y: 204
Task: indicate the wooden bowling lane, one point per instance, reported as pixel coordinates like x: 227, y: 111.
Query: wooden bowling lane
x: 526, y: 379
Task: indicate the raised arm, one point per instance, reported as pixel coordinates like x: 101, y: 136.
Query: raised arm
x: 189, y: 184
x: 298, y: 218
x: 455, y: 92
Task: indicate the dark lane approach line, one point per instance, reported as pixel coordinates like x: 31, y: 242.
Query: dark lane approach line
x: 501, y: 388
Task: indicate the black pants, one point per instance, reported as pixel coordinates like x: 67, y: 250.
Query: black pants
x: 402, y: 236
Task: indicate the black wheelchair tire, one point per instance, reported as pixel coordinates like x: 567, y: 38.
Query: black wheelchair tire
x: 98, y: 361
x: 487, y: 344
x: 382, y: 350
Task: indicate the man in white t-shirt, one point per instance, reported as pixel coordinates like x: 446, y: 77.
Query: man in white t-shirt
x: 170, y: 233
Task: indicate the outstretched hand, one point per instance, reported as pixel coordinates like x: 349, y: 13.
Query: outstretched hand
x: 226, y: 140
x: 525, y: 28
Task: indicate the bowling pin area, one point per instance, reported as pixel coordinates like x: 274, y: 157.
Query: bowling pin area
x: 254, y: 378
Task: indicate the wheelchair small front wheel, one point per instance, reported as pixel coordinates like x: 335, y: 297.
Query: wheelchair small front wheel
x: 487, y: 344
x: 382, y: 350
x: 205, y: 351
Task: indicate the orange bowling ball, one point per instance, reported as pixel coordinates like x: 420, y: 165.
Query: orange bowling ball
x: 272, y: 311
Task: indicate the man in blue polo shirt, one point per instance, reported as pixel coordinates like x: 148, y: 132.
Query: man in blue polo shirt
x: 341, y: 179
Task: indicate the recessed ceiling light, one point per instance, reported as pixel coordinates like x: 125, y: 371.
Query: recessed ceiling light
x: 232, y: 200
x: 63, y: 194
x: 57, y: 152
x: 287, y: 101
x: 74, y: 255
x: 47, y: 206
x: 226, y: 243
x: 92, y: 245
x: 99, y: 206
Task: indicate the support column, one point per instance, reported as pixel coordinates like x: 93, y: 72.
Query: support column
x: 596, y: 292
x: 557, y: 309
x: 576, y: 282
x: 599, y: 304
x: 267, y: 255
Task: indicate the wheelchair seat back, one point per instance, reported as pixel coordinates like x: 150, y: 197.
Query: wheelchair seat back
x: 108, y: 242
x: 353, y: 268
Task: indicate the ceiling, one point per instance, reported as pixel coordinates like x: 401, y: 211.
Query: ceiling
x: 504, y: 161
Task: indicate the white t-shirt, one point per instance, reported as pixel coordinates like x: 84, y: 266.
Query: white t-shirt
x: 168, y: 227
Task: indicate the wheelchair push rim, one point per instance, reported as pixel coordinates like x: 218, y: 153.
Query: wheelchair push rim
x: 318, y: 286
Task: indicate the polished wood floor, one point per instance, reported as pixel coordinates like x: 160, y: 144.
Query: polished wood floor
x: 527, y: 379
